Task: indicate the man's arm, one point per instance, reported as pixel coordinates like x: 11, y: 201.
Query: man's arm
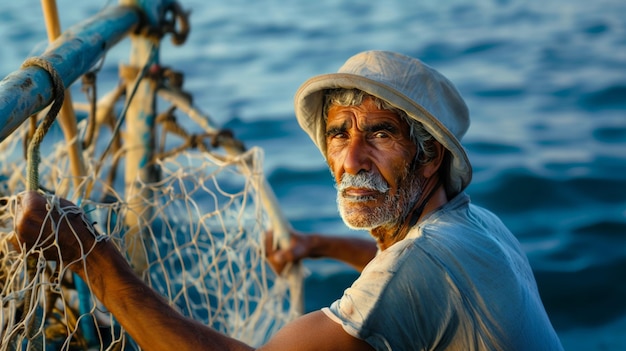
x: 356, y: 252
x: 146, y: 315
x: 315, y: 331
x: 156, y: 326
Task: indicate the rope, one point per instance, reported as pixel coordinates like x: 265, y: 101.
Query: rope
x: 32, y: 170
x: 138, y: 78
x: 32, y: 167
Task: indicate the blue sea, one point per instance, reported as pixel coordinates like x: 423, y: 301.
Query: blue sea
x: 545, y: 82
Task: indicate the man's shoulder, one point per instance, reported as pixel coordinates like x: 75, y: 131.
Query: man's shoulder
x: 460, y: 213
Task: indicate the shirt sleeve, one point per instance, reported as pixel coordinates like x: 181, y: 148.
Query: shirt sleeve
x: 402, y: 300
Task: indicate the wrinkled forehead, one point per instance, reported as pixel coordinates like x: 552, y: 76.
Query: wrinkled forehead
x: 366, y: 114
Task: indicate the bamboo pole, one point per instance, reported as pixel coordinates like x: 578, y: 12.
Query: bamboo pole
x: 67, y: 116
x: 67, y: 120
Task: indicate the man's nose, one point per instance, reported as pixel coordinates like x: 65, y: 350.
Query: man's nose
x: 357, y: 157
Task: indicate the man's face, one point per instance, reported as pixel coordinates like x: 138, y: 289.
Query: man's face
x: 370, y: 154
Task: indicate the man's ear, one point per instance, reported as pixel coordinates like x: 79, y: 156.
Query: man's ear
x: 432, y: 166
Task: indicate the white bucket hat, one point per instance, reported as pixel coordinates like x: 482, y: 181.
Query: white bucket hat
x: 406, y: 83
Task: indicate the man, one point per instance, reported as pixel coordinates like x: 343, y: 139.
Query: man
x: 443, y: 274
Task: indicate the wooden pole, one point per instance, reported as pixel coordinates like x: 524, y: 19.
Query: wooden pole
x: 67, y: 117
x: 140, y: 143
x: 67, y: 120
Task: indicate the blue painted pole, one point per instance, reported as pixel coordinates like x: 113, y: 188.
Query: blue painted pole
x: 28, y: 91
x: 140, y: 134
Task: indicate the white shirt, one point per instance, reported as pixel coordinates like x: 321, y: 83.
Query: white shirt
x: 458, y: 281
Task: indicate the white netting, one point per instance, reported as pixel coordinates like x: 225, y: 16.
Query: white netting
x: 202, y: 225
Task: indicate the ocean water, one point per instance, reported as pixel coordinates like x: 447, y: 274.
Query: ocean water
x: 545, y: 82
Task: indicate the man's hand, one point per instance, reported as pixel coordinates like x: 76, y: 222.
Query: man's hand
x: 357, y: 252
x: 299, y: 248
x: 58, y: 228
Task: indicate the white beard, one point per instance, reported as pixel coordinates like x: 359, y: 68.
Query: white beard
x: 392, y: 212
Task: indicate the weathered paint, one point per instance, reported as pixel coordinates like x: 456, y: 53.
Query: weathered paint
x: 29, y: 90
x: 140, y: 149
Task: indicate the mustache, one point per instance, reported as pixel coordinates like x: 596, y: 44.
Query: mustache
x: 373, y: 181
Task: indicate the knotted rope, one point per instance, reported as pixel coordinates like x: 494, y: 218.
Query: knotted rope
x: 58, y: 92
x: 33, y: 323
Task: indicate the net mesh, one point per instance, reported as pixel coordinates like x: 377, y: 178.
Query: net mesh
x: 199, y: 228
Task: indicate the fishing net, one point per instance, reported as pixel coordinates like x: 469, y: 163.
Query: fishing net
x: 195, y: 233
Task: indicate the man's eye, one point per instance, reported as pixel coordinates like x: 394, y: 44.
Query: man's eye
x: 334, y: 135
x: 381, y: 134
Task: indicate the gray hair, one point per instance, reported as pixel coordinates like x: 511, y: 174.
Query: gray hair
x: 353, y: 97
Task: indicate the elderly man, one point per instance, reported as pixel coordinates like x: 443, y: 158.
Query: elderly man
x: 443, y: 274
